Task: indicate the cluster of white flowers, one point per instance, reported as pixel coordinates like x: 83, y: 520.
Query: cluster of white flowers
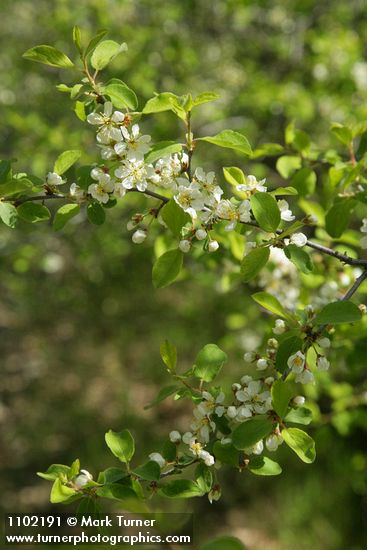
x: 297, y: 363
x: 200, y: 196
x: 282, y: 280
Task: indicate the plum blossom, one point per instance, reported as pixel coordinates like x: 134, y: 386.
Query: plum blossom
x: 101, y: 190
x: 296, y: 362
x: 82, y: 479
x: 208, y: 186
x: 53, y: 179
x: 252, y: 185
x: 134, y: 146
x: 226, y: 210
x: 285, y: 213
x: 108, y: 124
x: 135, y: 174
x: 189, y: 198
x: 299, y: 239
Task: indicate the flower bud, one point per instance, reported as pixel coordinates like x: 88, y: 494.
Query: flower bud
x: 269, y: 380
x: 175, y: 436
x: 232, y: 411
x: 184, y: 245
x: 324, y: 343
x: 213, y: 246
x: 214, y: 493
x: 279, y: 326
x: 298, y: 401
x: 322, y: 363
x: 139, y: 236
x: 262, y: 364
x: 82, y: 478
x: 201, y: 234
x: 273, y: 343
x: 272, y: 442
x: 158, y: 458
x: 249, y: 356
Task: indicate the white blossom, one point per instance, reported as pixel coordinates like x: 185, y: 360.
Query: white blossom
x: 135, y: 174
x: 158, y: 458
x: 249, y: 356
x: 189, y: 198
x: 134, y: 146
x: 272, y: 442
x: 82, y: 479
x: 305, y: 377
x: 299, y: 239
x: 252, y: 185
x: 100, y: 191
x: 322, y: 363
x: 208, y: 186
x: 108, y: 130
x: 364, y: 225
x: 76, y: 192
x: 296, y: 362
x: 53, y: 179
x: 285, y: 212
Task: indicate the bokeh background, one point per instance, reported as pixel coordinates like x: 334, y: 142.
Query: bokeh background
x: 80, y: 323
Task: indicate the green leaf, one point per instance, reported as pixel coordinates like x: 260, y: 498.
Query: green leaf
x: 279, y: 191
x: 88, y: 506
x: 104, y: 52
x: 169, y: 451
x: 338, y: 217
x: 121, y: 95
x: 169, y: 355
x: 64, y: 214
x: 8, y: 214
x: 33, y: 212
x: 287, y: 165
x: 335, y: 313
x: 162, y: 395
x: 264, y: 466
x: 49, y: 56
x: 234, y: 175
x: 300, y: 258
x: 231, y: 140
x: 161, y: 102
x: 301, y: 141
x: 149, y: 471
x: 281, y: 394
x: 205, y: 97
x: 204, y: 477
x: 223, y: 543
x: 66, y: 160
x: 121, y: 444
x: 287, y: 347
x: 110, y: 475
x: 181, y: 488
x: 61, y: 493
x: 162, y: 149
x: 209, y: 362
x: 54, y: 472
x: 253, y: 262
x: 268, y: 150
x: 226, y: 453
x: 305, y: 181
x: 96, y: 213
x: 251, y: 432
x: 342, y: 133
x: 174, y: 217
x: 77, y: 38
x: 79, y: 110
x: 116, y: 491
x: 301, y: 415
x: 94, y: 42
x: 266, y: 211
x: 271, y: 303
x: 301, y: 443
x: 74, y: 469
x: 5, y: 169
x: 167, y: 268
x: 15, y: 186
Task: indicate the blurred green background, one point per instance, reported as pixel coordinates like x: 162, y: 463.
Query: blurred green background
x: 80, y: 321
